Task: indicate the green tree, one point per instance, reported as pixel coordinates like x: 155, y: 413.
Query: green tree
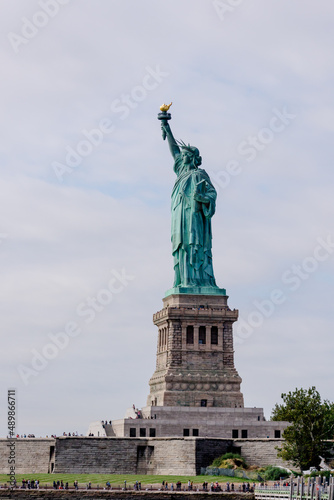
x: 312, y: 423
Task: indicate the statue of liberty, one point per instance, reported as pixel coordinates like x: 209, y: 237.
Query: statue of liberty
x: 193, y: 205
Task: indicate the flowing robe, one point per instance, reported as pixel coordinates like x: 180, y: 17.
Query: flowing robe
x: 191, y: 226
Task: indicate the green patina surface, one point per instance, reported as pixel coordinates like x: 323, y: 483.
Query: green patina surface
x: 196, y: 290
x: 193, y: 206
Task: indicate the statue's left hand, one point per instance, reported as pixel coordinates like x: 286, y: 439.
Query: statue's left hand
x: 201, y: 198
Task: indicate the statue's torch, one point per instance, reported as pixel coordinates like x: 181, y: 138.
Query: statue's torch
x: 164, y: 117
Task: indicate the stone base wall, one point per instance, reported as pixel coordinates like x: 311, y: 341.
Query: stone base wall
x: 260, y: 451
x: 93, y: 454
x: 174, y: 456
x: 31, y: 455
x: 125, y: 456
x: 110, y: 455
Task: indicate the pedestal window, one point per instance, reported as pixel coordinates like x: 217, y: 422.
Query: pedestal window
x: 202, y: 335
x: 190, y: 334
x: 214, y: 335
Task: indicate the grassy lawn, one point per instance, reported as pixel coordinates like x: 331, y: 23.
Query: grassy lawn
x: 118, y: 479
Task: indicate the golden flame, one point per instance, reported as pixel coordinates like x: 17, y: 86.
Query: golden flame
x: 165, y: 107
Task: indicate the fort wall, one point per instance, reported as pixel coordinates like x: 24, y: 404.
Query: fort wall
x: 111, y: 455
x: 31, y: 455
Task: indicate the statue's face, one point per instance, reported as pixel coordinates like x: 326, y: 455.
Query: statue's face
x: 186, y: 157
x: 191, y: 159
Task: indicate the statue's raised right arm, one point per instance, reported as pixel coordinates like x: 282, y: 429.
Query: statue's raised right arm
x: 173, y: 147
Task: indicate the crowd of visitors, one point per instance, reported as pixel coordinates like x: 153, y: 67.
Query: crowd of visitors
x: 137, y: 486
x: 52, y: 435
x: 30, y: 484
x: 25, y: 435
x: 216, y: 487
x: 59, y: 485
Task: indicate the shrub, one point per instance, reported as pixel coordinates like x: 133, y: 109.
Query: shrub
x: 216, y: 462
x: 229, y: 461
x: 274, y: 473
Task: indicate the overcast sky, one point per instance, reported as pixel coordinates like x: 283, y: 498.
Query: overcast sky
x: 85, y: 193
